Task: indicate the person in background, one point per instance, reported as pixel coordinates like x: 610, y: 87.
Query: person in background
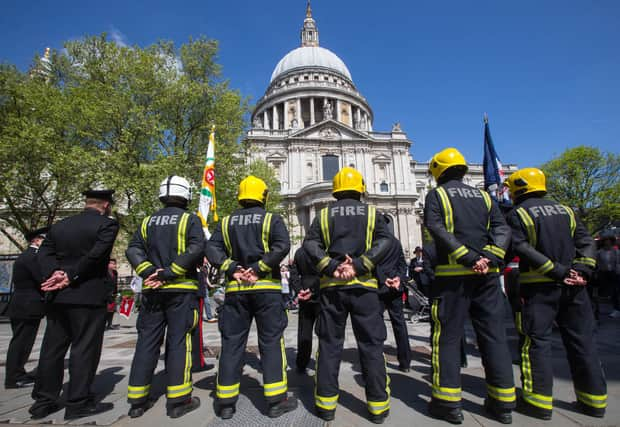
x: 607, y: 271
x: 112, y: 283
x: 25, y: 310
x: 204, y: 281
x: 305, y: 281
x: 393, y: 267
x: 421, y: 271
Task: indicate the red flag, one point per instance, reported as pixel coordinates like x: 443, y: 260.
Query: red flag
x: 126, y: 307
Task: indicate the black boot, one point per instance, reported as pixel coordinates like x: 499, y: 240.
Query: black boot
x: 451, y: 415
x: 502, y: 415
x: 590, y: 410
x: 324, y: 414
x: 138, y: 410
x: 227, y: 412
x: 282, y: 407
x: 533, y: 411
x: 378, y: 418
x: 181, y: 409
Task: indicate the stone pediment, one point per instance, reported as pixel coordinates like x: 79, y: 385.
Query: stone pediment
x: 330, y: 130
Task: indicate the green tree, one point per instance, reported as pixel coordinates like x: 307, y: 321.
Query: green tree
x: 42, y: 168
x: 100, y: 114
x: 587, y: 180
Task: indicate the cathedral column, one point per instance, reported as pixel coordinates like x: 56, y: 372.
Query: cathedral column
x: 312, y: 111
x: 285, y: 109
x: 265, y: 120
x: 338, y: 118
x: 300, y: 123
x: 350, y: 115
x: 276, y: 121
x: 358, y: 117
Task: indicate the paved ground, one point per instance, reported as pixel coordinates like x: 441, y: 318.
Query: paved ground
x: 410, y: 392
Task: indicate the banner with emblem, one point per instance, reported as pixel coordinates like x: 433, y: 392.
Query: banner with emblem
x: 207, y: 190
x: 126, y: 306
x: 492, y: 167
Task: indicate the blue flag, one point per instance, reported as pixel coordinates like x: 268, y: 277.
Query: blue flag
x: 492, y: 167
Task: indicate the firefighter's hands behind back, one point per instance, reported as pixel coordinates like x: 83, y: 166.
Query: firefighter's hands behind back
x: 304, y: 294
x: 245, y: 275
x: 346, y: 270
x: 393, y: 283
x: 482, y: 266
x: 153, y: 280
x: 575, y: 279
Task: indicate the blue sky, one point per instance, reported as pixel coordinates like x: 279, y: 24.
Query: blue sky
x: 547, y: 72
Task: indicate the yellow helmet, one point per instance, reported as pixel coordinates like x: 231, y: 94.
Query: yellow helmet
x: 348, y: 179
x: 525, y: 181
x: 444, y: 160
x: 253, y: 188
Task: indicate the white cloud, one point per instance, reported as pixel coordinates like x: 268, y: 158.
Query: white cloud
x: 118, y: 37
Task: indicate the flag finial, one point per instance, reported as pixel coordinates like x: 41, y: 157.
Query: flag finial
x: 486, y: 119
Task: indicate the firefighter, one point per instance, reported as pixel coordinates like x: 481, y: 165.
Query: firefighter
x: 557, y: 258
x: 471, y: 238
x: 248, y: 247
x: 345, y: 242
x: 165, y: 251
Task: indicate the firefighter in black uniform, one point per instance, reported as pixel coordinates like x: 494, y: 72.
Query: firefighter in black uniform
x: 393, y: 266
x: 345, y: 242
x: 557, y: 257
x: 307, y: 289
x: 74, y: 258
x: 471, y: 238
x: 165, y: 251
x: 26, y: 309
x: 248, y: 247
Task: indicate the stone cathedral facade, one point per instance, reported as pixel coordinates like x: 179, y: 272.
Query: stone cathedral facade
x: 313, y: 120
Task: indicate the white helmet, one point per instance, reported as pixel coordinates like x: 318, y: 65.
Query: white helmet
x: 175, y: 186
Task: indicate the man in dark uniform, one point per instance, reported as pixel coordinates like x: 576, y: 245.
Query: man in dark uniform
x: 166, y: 251
x: 556, y: 259
x: 393, y: 267
x: 74, y: 258
x: 307, y: 289
x: 26, y: 309
x: 421, y: 271
x: 248, y: 247
x: 345, y: 242
x: 112, y: 284
x: 471, y: 238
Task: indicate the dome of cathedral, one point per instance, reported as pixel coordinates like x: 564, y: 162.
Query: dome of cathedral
x: 310, y: 56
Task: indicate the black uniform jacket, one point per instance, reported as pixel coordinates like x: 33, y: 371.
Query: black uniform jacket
x: 249, y: 238
x: 347, y: 227
x: 80, y: 245
x: 173, y: 240
x: 392, y: 264
x: 27, y: 299
x: 308, y: 273
x: 465, y: 225
x: 549, y: 240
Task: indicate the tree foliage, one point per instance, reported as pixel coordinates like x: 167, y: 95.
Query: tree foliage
x: 587, y: 180
x: 113, y: 116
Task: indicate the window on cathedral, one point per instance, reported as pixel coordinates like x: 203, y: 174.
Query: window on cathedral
x: 384, y: 187
x: 330, y: 167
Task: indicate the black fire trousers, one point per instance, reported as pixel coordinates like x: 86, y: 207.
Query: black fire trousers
x: 366, y: 312
x: 173, y: 315
x: 307, y: 317
x: 81, y: 328
x: 453, y: 297
x: 570, y: 307
x: 24, y: 335
x: 393, y: 302
x: 235, y: 320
